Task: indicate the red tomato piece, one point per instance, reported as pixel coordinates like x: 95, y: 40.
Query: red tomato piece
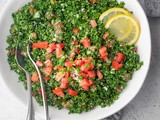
x: 84, y: 84
x: 91, y: 74
x: 105, y: 35
x: 68, y: 63
x: 99, y: 74
x: 91, y: 82
x: 116, y: 65
x: 48, y: 70
x: 51, y: 47
x: 49, y: 50
x: 58, y: 92
x: 48, y: 62
x: 59, y: 52
x: 86, y: 67
x: 93, y: 23
x: 86, y: 43
x: 60, y: 45
x: 93, y: 1
x: 76, y: 30
x: 42, y: 45
x: 34, y: 77
x: 64, y: 83
x: 83, y: 74
x: 78, y: 62
x: 103, y: 52
x: 39, y: 63
x: 119, y: 57
x: 67, y: 74
x: 59, y: 68
x: 72, y: 92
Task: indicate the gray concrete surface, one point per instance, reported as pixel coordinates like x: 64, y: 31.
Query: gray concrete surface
x: 146, y: 105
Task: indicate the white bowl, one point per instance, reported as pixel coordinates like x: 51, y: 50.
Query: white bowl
x: 10, y: 78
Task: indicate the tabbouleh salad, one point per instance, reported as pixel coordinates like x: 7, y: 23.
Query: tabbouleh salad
x: 82, y: 64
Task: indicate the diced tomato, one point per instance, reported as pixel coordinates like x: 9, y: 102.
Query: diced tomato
x: 48, y: 62
x: 93, y: 1
x: 42, y: 45
x: 119, y: 57
x: 99, y: 74
x: 86, y: 67
x: 51, y: 47
x: 84, y: 84
x: 59, y: 68
x: 76, y: 30
x: 67, y: 74
x: 83, y: 74
x: 68, y: 63
x: 59, y: 52
x: 34, y: 77
x: 48, y: 70
x: 87, y: 60
x: 103, y: 52
x: 72, y: 92
x: 78, y: 62
x: 39, y: 63
x: 105, y: 35
x: 46, y: 78
x: 39, y: 91
x: 58, y: 92
x: 93, y: 23
x: 49, y: 50
x: 60, y: 45
x: 90, y: 82
x: 91, y: 74
x: 59, y: 76
x: 116, y: 65
x: 64, y: 83
x: 86, y: 43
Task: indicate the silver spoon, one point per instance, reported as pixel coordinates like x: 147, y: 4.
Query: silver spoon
x: 20, y: 60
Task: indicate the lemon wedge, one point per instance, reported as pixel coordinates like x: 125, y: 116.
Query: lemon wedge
x: 125, y: 28
x: 112, y: 12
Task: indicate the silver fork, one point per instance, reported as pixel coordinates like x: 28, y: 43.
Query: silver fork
x: 21, y: 63
x: 45, y: 106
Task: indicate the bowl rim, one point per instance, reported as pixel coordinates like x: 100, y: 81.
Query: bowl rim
x: 9, y: 2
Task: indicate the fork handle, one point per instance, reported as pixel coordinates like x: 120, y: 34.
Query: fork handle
x: 29, y: 96
x: 45, y: 106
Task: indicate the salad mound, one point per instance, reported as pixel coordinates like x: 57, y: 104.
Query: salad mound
x: 81, y: 62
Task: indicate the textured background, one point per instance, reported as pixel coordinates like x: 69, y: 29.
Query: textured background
x: 145, y: 106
